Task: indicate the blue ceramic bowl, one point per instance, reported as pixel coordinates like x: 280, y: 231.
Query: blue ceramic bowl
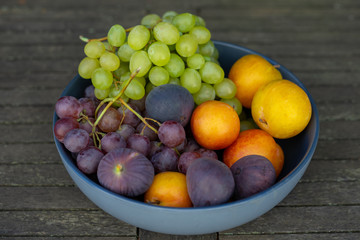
x: 190, y: 221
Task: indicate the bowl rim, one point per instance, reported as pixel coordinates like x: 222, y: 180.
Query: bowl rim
x: 279, y: 183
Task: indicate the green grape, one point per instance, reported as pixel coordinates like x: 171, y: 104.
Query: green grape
x: 101, y: 78
x: 191, y: 80
x: 126, y: 76
x: 195, y: 61
x: 159, y: 53
x: 87, y: 66
x: 149, y: 86
x: 247, y: 124
x: 236, y: 104
x: 94, y: 49
x: 158, y: 76
x: 225, y: 89
x: 174, y: 81
x: 206, y: 93
x: 166, y: 33
x: 199, y: 21
x: 124, y: 67
x: 175, y: 66
x: 212, y: 73
x: 125, y: 52
x: 168, y: 16
x: 116, y: 35
x: 109, y: 61
x: 135, y: 90
x: 101, y: 93
x: 186, y: 46
x: 207, y: 49
x: 184, y: 22
x: 140, y: 59
x: 201, y: 34
x: 150, y: 20
x: 215, y: 54
x: 138, y: 37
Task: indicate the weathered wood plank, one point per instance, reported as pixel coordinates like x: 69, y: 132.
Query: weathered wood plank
x: 148, y: 235
x: 296, y: 236
x: 63, y: 223
x: 310, y: 220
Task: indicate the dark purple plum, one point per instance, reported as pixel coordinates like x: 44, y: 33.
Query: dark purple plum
x: 170, y: 102
x: 111, y: 141
x: 126, y: 172
x: 207, y: 153
x: 63, y: 125
x: 88, y: 159
x: 76, y: 140
x: 68, y: 106
x: 165, y: 160
x: 139, y: 143
x: 186, y: 159
x: 209, y: 182
x: 252, y: 174
x: 171, y: 133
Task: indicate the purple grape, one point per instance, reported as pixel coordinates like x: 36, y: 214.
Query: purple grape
x: 146, y: 131
x: 89, y: 91
x: 76, y: 140
x: 68, y: 106
x: 63, y: 126
x: 171, y: 133
x: 88, y: 159
x: 110, y: 121
x: 84, y: 124
x: 111, y: 141
x: 155, y: 147
x: 207, y: 153
x: 139, y: 143
x: 191, y: 145
x: 140, y: 104
x: 186, y: 159
x: 128, y: 116
x: 181, y: 148
x: 126, y: 130
x: 165, y: 160
x: 88, y: 105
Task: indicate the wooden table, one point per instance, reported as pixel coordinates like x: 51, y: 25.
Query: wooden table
x: 39, y: 53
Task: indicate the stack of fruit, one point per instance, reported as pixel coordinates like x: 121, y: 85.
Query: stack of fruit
x: 161, y: 122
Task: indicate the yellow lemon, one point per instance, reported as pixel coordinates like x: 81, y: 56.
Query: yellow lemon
x: 281, y: 108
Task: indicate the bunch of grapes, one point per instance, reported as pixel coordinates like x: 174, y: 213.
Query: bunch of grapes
x: 175, y: 48
x: 167, y: 145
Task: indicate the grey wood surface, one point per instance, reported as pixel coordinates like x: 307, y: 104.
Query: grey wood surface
x: 39, y: 53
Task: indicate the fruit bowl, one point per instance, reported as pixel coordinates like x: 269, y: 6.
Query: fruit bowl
x: 201, y: 220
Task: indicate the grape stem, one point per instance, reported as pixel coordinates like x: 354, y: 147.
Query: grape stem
x: 114, y: 99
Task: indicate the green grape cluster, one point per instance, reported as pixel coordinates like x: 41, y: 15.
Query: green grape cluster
x: 175, y: 48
